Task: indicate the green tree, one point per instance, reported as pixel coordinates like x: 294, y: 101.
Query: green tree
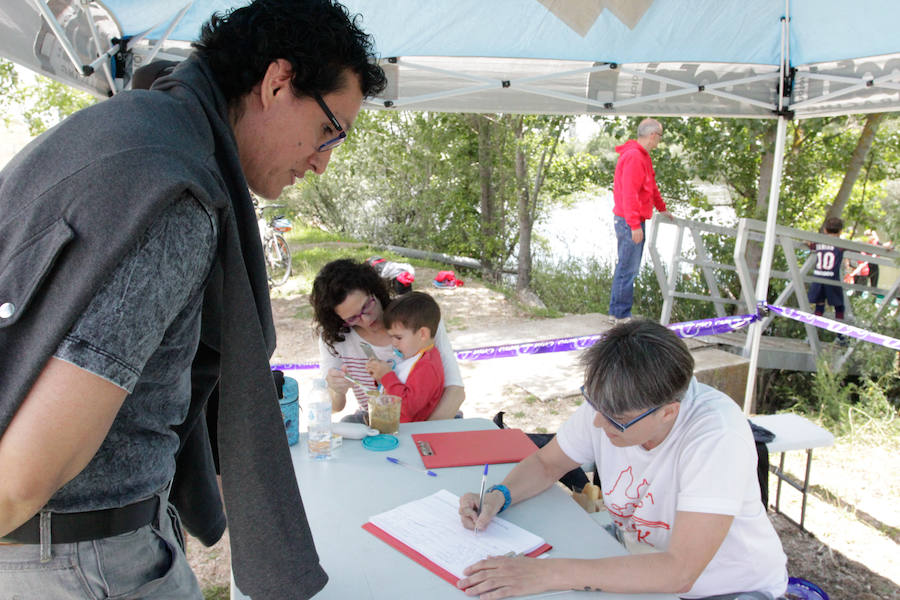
x: 457, y: 183
x: 9, y: 82
x: 49, y: 102
x: 855, y: 164
x: 42, y: 104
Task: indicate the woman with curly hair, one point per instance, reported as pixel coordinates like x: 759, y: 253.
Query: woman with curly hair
x: 348, y: 298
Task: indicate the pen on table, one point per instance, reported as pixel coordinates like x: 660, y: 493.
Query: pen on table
x: 481, y: 496
x: 397, y: 461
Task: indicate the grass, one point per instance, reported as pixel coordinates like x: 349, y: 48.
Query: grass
x: 217, y: 592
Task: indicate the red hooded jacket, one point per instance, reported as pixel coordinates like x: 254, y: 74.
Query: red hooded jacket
x: 634, y: 186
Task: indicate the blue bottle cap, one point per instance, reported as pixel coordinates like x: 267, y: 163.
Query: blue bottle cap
x: 380, y: 443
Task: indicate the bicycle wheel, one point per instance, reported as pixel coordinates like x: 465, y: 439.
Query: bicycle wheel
x: 278, y: 260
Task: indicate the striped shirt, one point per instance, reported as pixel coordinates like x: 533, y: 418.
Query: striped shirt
x: 350, y: 354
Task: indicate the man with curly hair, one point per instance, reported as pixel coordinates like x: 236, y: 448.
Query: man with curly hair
x: 134, y: 292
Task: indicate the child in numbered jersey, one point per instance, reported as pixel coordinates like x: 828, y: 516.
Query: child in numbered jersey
x: 418, y: 375
x: 829, y: 259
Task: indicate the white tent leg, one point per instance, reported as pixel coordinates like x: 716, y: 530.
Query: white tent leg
x: 765, y: 266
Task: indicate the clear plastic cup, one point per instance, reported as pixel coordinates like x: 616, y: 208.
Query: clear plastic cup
x: 384, y: 413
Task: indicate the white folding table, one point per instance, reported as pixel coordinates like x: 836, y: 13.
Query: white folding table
x: 793, y: 432
x: 340, y: 495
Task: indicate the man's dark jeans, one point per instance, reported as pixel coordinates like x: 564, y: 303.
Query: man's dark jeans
x: 629, y: 263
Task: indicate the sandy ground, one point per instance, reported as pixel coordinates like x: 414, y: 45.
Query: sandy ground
x: 850, y: 548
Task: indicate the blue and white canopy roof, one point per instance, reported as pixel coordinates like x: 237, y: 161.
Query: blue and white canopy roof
x: 736, y: 58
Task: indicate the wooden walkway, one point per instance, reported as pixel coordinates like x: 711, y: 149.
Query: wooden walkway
x: 774, y: 352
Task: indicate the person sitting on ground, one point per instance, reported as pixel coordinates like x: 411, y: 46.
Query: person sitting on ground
x: 348, y: 297
x: 829, y: 259
x: 677, y: 466
x: 418, y: 375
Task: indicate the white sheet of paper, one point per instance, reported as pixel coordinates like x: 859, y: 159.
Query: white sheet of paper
x: 431, y: 526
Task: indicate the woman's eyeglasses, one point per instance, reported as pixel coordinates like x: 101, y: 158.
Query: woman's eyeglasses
x: 351, y: 321
x: 616, y: 424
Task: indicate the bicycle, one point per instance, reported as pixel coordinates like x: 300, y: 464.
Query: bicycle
x: 275, y: 248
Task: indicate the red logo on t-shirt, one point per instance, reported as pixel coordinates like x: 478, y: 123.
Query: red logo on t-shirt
x: 637, y: 496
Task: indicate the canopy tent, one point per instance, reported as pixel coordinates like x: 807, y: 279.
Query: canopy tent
x: 779, y: 59
x: 662, y: 57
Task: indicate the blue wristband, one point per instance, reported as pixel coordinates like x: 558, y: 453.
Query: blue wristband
x: 506, y: 497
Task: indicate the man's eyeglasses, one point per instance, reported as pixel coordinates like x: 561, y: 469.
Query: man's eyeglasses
x: 616, y: 424
x: 342, y: 135
x: 351, y: 321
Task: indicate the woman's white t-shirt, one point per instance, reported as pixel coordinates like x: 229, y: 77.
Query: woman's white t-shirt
x: 707, y: 464
x: 350, y: 354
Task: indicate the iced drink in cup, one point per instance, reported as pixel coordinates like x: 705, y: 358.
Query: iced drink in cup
x: 384, y: 413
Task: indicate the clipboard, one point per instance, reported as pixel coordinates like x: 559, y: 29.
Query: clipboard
x: 421, y: 559
x: 465, y: 448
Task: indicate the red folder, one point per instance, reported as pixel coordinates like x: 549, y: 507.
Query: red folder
x: 420, y: 558
x: 464, y: 448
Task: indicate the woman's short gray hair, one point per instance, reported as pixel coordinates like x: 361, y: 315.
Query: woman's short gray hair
x: 636, y: 366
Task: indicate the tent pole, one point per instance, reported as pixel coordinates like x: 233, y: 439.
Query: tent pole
x: 765, y: 266
x: 165, y: 36
x: 57, y: 29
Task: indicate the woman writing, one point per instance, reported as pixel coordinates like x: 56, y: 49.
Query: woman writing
x: 348, y: 298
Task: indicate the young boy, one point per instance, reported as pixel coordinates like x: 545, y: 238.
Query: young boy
x: 418, y: 378
x: 828, y: 264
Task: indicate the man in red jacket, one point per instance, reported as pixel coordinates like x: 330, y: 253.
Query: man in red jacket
x: 634, y: 195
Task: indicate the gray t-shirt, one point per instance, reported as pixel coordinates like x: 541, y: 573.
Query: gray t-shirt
x: 140, y: 332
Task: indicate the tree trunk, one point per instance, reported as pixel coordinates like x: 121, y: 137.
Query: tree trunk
x: 488, y: 198
x: 528, y: 206
x: 523, y: 214
x: 766, y: 169
x: 857, y: 160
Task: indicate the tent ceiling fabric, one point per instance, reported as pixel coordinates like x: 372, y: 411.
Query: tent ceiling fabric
x: 634, y: 57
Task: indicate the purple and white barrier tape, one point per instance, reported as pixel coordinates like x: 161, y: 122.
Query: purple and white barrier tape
x: 686, y: 329
x: 542, y: 347
x: 835, y: 326
x: 690, y: 329
x: 296, y: 366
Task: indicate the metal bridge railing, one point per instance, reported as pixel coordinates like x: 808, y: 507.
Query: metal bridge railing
x: 792, y: 245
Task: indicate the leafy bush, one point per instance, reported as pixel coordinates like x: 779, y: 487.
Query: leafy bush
x: 573, y: 285
x: 576, y: 285
x: 844, y: 404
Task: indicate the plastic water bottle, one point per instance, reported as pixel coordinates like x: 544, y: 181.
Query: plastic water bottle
x: 318, y: 420
x: 290, y: 410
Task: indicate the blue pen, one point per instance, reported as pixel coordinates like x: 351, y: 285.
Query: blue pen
x: 397, y: 461
x: 481, y: 497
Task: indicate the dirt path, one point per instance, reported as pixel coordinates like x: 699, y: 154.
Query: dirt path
x: 853, y: 515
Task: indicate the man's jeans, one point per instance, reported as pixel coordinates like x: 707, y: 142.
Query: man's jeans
x: 622, y: 294
x: 145, y: 563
